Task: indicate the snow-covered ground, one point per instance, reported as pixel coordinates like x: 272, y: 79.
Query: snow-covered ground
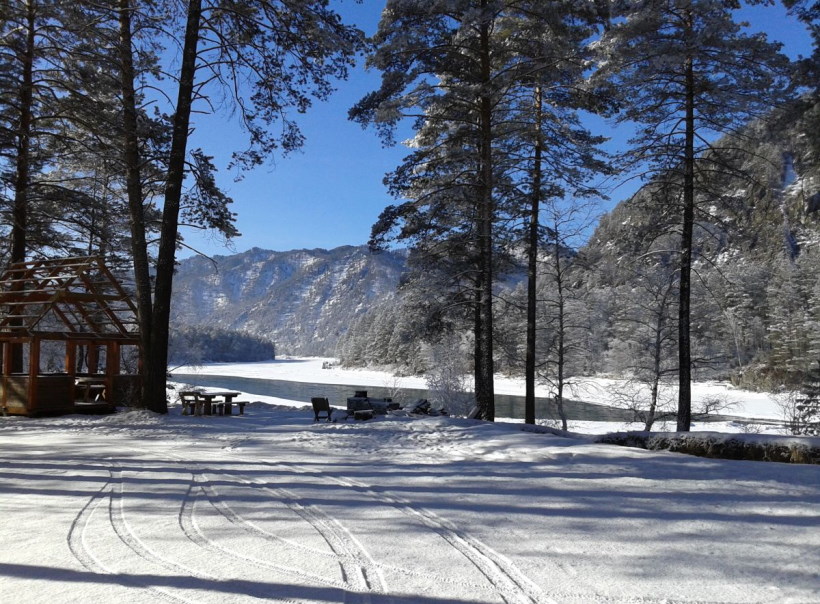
x: 136, y: 507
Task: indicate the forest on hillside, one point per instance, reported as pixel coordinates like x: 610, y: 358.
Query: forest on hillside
x: 755, y: 304
x: 707, y: 269
x: 196, y: 345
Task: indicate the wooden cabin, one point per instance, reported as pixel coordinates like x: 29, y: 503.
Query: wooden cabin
x: 69, y: 339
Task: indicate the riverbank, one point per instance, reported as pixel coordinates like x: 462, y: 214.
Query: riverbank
x: 760, y: 412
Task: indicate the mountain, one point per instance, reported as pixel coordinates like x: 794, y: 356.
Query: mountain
x: 304, y: 300
x: 756, y: 296
x: 770, y: 206
x: 755, y: 304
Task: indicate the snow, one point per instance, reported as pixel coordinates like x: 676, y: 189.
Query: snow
x: 305, y: 369
x: 137, y: 507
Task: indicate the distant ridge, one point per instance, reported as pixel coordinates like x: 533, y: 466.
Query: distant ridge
x: 302, y: 299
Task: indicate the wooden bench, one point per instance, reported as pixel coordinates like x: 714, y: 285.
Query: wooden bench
x: 227, y: 408
x: 192, y: 404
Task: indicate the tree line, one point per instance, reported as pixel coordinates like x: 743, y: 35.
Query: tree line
x: 609, y: 307
x: 193, y: 345
x: 502, y: 166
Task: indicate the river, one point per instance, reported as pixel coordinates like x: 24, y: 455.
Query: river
x: 505, y: 405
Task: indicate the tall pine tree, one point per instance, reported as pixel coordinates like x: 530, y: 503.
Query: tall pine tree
x: 688, y: 72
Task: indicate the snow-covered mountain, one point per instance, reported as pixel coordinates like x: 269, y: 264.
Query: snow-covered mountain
x: 303, y: 299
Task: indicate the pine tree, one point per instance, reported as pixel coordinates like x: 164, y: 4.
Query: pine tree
x: 690, y: 74
x: 270, y: 57
x: 41, y: 41
x: 440, y: 64
x: 553, y: 156
x: 491, y: 85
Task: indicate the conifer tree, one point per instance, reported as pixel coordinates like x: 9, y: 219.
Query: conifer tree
x: 688, y: 73
x: 440, y: 65
x: 490, y: 84
x: 40, y: 43
x: 270, y: 57
x: 553, y: 156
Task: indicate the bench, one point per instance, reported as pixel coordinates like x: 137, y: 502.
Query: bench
x: 192, y: 404
x: 321, y: 406
x: 227, y: 408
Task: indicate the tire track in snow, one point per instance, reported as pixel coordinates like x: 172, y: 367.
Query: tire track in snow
x: 137, y: 545
x: 189, y: 526
x: 216, y: 501
x: 113, y: 491
x: 497, y: 569
x: 478, y: 553
x: 512, y: 585
x: 507, y: 581
x: 79, y: 548
x: 360, y: 575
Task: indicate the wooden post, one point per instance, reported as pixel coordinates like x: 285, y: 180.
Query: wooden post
x: 6, y: 358
x: 70, y: 358
x: 112, y: 369
x: 112, y: 359
x: 71, y: 366
x: 33, y: 371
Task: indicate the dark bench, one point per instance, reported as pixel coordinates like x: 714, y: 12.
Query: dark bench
x: 321, y: 406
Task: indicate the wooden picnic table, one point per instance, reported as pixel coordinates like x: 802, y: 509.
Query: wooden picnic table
x: 222, y: 400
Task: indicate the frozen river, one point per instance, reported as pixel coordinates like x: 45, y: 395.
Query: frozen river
x: 505, y: 405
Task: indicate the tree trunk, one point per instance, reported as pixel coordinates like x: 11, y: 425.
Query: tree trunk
x: 157, y: 359
x: 22, y: 172
x: 684, y: 346
x: 478, y: 328
x: 559, y: 285
x: 131, y: 153
x: 532, y: 269
x: 657, y: 350
x: 484, y: 387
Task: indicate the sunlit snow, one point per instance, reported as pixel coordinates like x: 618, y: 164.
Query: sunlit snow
x: 137, y: 507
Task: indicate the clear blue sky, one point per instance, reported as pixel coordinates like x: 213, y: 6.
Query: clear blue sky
x: 331, y: 192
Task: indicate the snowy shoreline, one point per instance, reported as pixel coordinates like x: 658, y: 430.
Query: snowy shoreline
x: 759, y: 410
x: 139, y: 507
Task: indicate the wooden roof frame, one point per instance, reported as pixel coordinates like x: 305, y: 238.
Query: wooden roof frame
x: 66, y: 299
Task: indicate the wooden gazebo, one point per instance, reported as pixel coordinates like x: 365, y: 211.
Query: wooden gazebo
x: 68, y: 330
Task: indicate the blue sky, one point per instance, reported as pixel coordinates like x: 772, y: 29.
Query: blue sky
x: 331, y: 192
